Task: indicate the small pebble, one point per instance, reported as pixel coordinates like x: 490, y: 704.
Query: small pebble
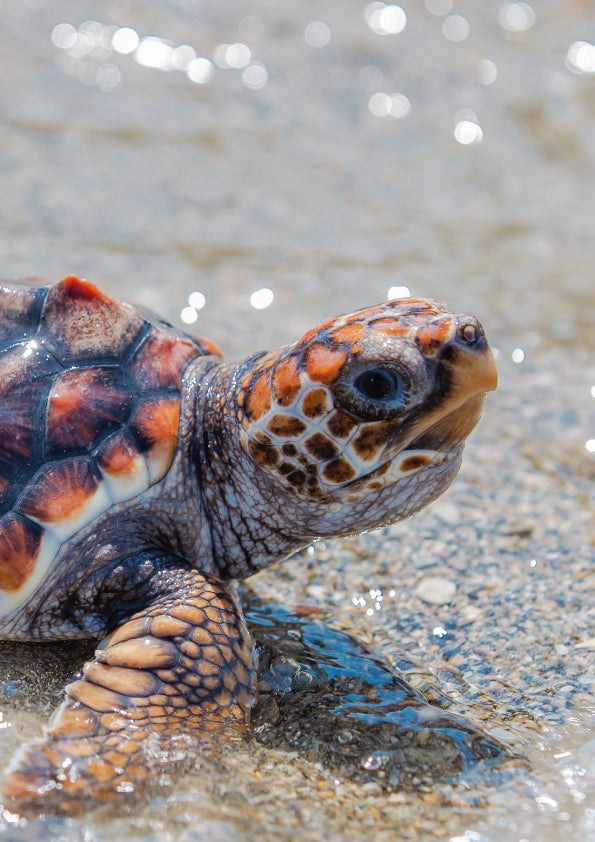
x: 437, y: 590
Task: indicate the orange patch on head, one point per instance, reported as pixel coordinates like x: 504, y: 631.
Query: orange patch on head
x: 161, y: 361
x: 286, y: 381
x: 390, y: 325
x: 311, y: 335
x: 430, y: 338
x: 349, y: 334
x: 412, y: 306
x: 323, y: 364
x: 259, y: 397
x: 20, y: 542
x: 59, y: 491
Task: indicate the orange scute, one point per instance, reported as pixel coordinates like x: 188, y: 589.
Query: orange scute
x: 259, y: 397
x: 323, y: 364
x: 286, y: 381
x: 209, y: 347
x: 19, y: 547
x: 157, y: 421
x: 118, y: 456
x: 60, y: 491
x: 83, y: 290
x: 161, y: 361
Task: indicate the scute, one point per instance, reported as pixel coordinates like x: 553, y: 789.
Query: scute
x: 20, y: 309
x: 89, y: 411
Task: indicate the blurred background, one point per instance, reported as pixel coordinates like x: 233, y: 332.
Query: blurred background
x: 249, y: 168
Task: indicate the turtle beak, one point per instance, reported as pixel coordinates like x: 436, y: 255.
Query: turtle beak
x: 475, y: 371
x: 470, y: 373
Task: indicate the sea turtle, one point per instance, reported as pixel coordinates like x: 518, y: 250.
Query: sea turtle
x: 138, y: 472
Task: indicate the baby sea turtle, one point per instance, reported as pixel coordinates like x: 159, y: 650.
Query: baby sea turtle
x: 138, y: 472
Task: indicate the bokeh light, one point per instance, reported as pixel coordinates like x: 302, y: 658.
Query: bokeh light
x: 455, y: 28
x: 398, y: 292
x: 516, y: 17
x: 580, y: 57
x: 395, y: 105
x: 255, y: 76
x: 317, y: 33
x: 200, y: 70
x: 262, y: 298
x: 488, y: 71
x: 385, y: 19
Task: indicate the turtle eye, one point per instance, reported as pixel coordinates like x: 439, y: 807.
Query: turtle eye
x: 379, y: 384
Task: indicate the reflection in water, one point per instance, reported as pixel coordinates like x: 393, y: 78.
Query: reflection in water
x: 394, y: 105
x: 188, y: 315
x: 124, y: 40
x: 398, y: 292
x: 518, y: 355
x: 580, y: 57
x: 467, y: 132
x: 93, y: 43
x: 439, y: 7
x: 488, y: 71
x: 317, y: 33
x: 262, y: 298
x: 385, y: 19
x: 323, y: 693
x: 456, y: 28
x: 516, y: 17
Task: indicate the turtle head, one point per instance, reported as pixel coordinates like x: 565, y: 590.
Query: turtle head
x: 363, y: 420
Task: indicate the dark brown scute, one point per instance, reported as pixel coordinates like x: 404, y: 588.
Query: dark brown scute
x: 161, y: 360
x: 67, y: 355
x: 82, y: 323
x: 20, y: 309
x: 338, y: 471
x: 315, y: 403
x: 286, y: 426
x: 321, y: 447
x: 371, y: 440
x: 84, y: 403
x: 340, y: 425
x: 265, y: 455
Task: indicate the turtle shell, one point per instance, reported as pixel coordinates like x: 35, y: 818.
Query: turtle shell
x: 89, y: 409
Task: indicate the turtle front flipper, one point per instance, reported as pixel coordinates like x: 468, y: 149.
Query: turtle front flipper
x: 167, y: 679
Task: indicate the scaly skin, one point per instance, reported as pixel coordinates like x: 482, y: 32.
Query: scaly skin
x: 358, y: 424
x: 176, y: 673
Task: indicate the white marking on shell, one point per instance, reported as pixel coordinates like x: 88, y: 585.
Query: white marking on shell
x: 136, y: 480
x: 94, y: 506
x: 158, y: 459
x: 48, y: 548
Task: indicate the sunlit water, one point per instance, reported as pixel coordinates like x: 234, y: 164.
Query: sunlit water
x: 249, y: 168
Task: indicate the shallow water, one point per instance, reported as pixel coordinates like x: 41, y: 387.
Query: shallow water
x: 155, y: 186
